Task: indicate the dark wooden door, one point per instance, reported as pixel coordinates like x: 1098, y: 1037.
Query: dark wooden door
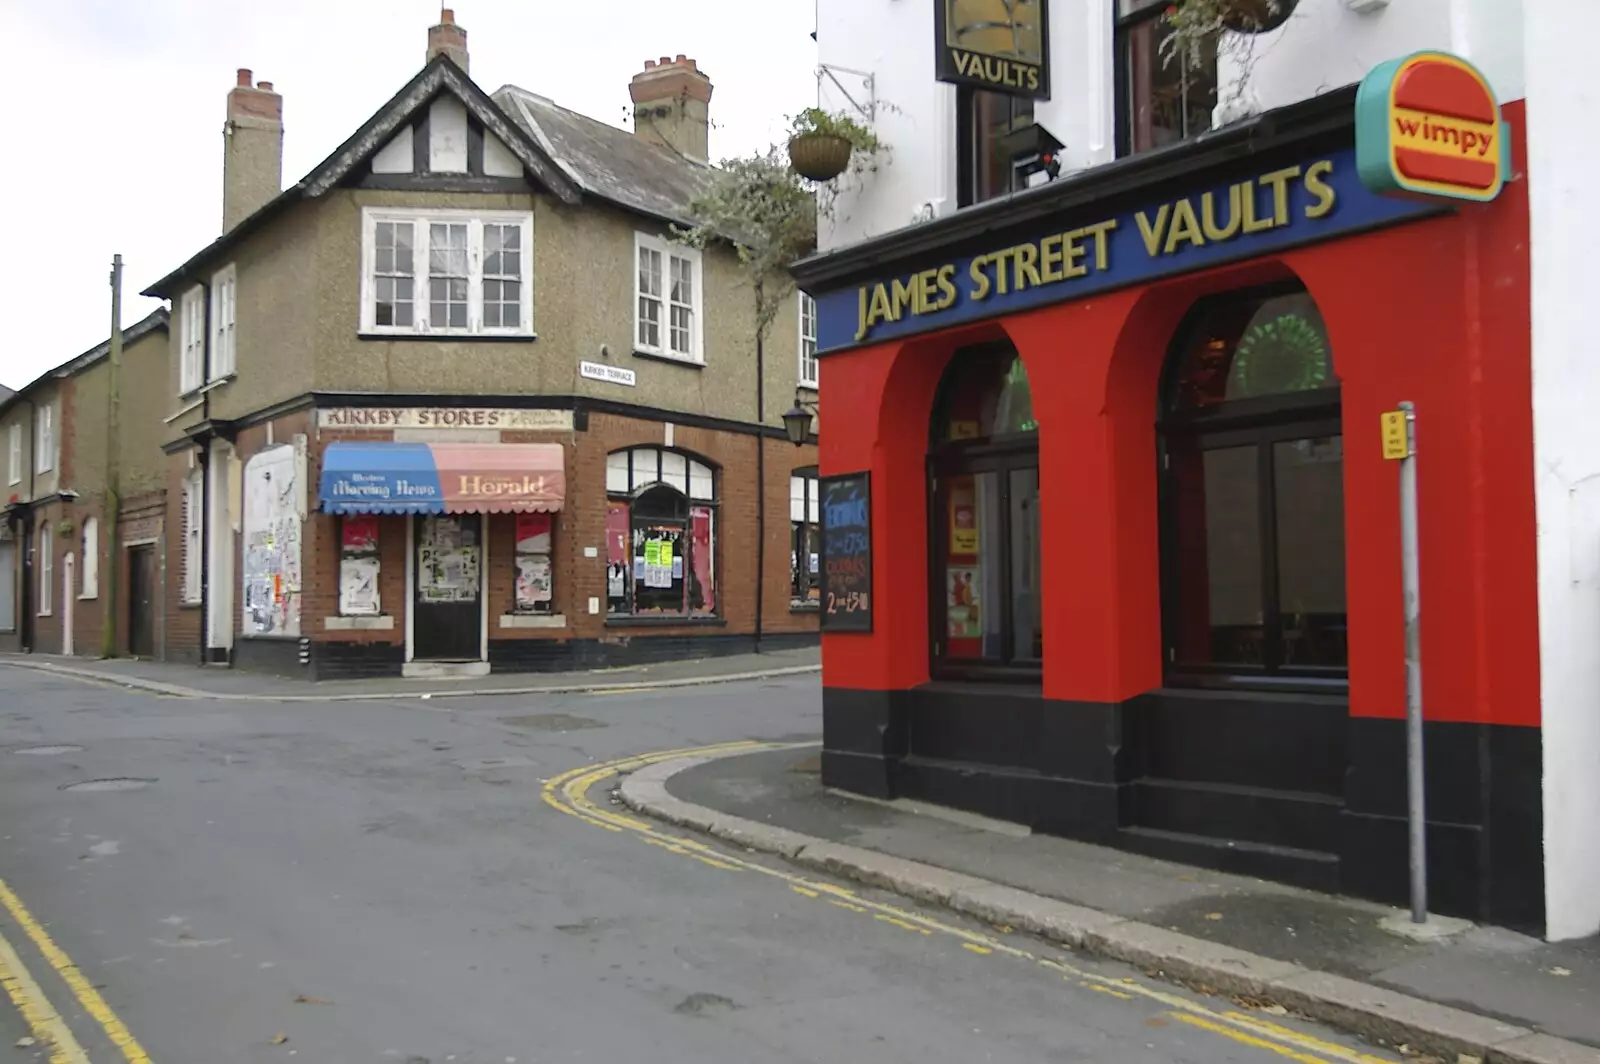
x: 142, y: 584
x: 448, y: 624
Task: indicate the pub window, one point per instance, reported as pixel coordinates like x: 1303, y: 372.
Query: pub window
x: 660, y: 534
x: 983, y: 119
x: 984, y: 462
x: 1253, y: 497
x: 1162, y: 95
x: 805, y: 543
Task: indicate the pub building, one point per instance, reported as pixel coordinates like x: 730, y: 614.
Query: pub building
x: 1117, y: 554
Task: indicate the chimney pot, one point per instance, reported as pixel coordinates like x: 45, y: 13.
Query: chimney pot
x: 448, y: 39
x: 264, y: 86
x: 680, y: 58
x: 245, y: 78
x: 665, y: 61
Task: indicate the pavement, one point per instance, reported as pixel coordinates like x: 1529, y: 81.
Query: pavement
x: 1481, y: 993
x: 187, y: 880
x: 192, y: 681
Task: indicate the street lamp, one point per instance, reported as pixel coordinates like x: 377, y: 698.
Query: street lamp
x: 797, y: 420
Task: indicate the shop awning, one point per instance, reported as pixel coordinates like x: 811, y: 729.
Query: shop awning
x: 437, y: 478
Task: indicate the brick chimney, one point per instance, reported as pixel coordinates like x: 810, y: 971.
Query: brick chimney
x: 252, y: 149
x: 672, y: 106
x: 448, y: 39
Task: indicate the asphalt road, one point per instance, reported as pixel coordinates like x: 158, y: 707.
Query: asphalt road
x: 370, y: 882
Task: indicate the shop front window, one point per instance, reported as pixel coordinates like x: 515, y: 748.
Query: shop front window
x: 805, y: 543
x: 1253, y: 497
x: 984, y: 461
x: 1164, y: 94
x: 660, y: 534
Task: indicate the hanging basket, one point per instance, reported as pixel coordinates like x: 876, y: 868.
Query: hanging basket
x: 819, y: 156
x: 1258, y: 16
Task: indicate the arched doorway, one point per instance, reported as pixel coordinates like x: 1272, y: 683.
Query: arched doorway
x: 983, y: 465
x: 1253, y: 559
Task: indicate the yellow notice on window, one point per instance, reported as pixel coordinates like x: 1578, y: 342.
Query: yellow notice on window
x: 1396, y: 435
x: 665, y: 554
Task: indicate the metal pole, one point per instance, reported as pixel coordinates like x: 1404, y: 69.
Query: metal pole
x: 1416, y: 806
x: 108, y: 543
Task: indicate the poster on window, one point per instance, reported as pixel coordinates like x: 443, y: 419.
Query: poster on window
x: 359, y: 534
x: 963, y: 518
x: 702, y: 540
x: 358, y: 586
x: 533, y: 533
x: 961, y: 603
x: 533, y: 581
x: 447, y: 575
x: 270, y: 530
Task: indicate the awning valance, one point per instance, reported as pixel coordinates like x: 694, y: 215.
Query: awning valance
x: 437, y: 478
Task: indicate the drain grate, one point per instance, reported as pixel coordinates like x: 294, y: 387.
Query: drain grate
x: 119, y: 783
x: 48, y: 751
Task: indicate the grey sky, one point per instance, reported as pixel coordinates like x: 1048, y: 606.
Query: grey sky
x: 116, y: 108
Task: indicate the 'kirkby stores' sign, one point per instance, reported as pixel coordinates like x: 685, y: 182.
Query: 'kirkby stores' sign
x: 999, y: 45
x: 1429, y: 125
x: 1278, y: 208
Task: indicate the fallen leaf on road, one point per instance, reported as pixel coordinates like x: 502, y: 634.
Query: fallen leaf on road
x: 1213, y: 916
x: 1462, y: 1058
x: 1559, y: 971
x: 24, y: 1042
x: 1155, y: 1021
x: 307, y: 999
x: 1275, y: 1010
x: 279, y: 1038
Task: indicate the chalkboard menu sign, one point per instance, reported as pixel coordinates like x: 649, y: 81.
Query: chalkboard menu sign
x: 847, y: 553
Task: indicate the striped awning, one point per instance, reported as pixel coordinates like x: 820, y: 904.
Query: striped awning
x: 438, y: 478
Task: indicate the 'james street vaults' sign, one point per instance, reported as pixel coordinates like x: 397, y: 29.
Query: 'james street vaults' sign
x: 998, y: 45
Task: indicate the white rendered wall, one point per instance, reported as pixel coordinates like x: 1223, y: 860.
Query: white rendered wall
x: 1566, y: 389
x: 1323, y: 46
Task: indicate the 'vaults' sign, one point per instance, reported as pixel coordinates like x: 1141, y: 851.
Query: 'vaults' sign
x: 998, y: 45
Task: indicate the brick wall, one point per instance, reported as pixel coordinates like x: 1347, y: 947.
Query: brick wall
x: 183, y: 621
x: 142, y: 518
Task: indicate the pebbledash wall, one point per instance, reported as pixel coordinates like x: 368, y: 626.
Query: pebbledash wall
x: 286, y: 559
x: 1423, y: 300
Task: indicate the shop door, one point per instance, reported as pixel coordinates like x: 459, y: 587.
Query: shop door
x: 142, y: 601
x: 448, y: 622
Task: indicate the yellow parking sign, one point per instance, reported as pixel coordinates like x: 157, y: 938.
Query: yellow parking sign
x: 1396, y: 436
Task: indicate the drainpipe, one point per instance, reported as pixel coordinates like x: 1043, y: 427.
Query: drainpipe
x: 26, y: 623
x: 205, y: 554
x: 761, y: 465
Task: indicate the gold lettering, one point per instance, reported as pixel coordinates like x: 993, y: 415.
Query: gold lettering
x: 1102, y: 254
x: 1319, y: 188
x: 1279, y: 181
x: 1208, y: 215
x: 862, y: 324
x: 1248, y: 198
x: 1050, y: 258
x: 1185, y: 226
x: 1025, y: 257
x: 881, y: 309
x: 947, y: 287
x: 1002, y: 275
x: 980, y: 279
x: 1152, y: 232
x: 925, y: 283
x: 1033, y: 78
x: 905, y: 295
x: 1075, y: 253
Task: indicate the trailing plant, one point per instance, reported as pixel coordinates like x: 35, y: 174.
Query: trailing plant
x: 1194, y: 27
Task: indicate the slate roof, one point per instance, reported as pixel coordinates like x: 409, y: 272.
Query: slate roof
x: 606, y: 162
x: 156, y: 319
x: 568, y: 154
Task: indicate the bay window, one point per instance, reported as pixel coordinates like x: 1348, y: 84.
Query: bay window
x: 660, y: 534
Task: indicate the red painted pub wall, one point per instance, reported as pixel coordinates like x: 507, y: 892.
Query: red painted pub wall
x: 1432, y: 311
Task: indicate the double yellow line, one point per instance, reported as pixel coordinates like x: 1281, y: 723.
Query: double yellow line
x: 569, y: 793
x: 47, y: 1025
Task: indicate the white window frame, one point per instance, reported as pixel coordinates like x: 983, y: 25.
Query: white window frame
x: 419, y: 220
x: 89, y: 566
x: 194, y: 494
x: 224, y: 313
x: 809, y: 367
x: 44, y: 439
x: 697, y: 304
x: 14, y: 453
x: 192, y: 341
x: 47, y: 569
